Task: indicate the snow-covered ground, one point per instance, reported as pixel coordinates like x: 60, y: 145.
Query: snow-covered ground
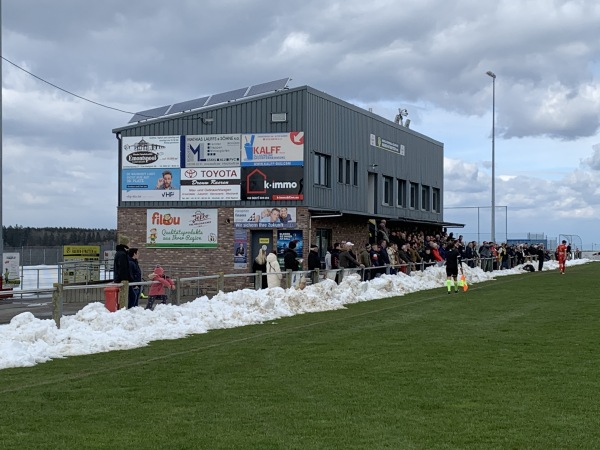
x: 27, y: 341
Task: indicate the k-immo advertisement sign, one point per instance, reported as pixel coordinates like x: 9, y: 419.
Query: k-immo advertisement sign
x: 273, y: 183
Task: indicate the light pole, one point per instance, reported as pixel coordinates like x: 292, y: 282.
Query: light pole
x: 493, y: 75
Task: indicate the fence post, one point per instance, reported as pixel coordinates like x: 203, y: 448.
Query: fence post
x: 288, y: 279
x: 123, y: 294
x: 315, y: 276
x: 221, y: 282
x: 57, y: 303
x: 177, y: 292
x: 341, y: 274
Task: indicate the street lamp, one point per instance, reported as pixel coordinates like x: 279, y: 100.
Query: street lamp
x: 493, y: 75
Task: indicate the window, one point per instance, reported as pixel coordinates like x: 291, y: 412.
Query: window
x: 355, y: 173
x: 323, y: 241
x: 347, y: 171
x: 425, y: 198
x: 340, y: 170
x: 414, y: 196
x: 322, y: 169
x: 436, y: 200
x: 387, y: 191
x: 401, y: 193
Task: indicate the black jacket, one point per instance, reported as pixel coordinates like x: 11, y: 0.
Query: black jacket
x: 314, y: 262
x: 289, y: 259
x: 121, y: 265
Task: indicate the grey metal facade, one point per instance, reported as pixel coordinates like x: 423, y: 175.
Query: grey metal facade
x: 332, y: 129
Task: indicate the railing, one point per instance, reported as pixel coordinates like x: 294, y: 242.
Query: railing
x: 190, y: 288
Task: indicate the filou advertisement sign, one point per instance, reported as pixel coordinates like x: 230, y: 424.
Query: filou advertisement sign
x: 185, y: 228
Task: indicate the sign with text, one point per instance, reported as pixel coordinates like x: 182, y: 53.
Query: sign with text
x: 152, y: 184
x: 279, y: 149
x: 11, y: 273
x: 213, y: 150
x: 187, y: 228
x: 273, y: 183
x: 211, y: 184
x: 379, y: 142
x: 81, y: 263
x: 273, y: 217
x: 151, y: 151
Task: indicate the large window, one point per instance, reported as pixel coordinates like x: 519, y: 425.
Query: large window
x: 425, y: 206
x: 401, y: 193
x: 414, y: 196
x: 436, y: 200
x: 388, y: 190
x: 322, y: 168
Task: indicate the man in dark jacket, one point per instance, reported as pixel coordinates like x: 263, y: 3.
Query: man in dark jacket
x: 314, y: 262
x: 289, y: 257
x: 136, y: 277
x: 121, y: 264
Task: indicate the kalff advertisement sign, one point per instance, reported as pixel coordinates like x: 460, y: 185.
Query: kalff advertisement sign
x: 279, y: 183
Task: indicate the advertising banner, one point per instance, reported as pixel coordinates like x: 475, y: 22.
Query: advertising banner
x: 273, y: 217
x: 240, y: 249
x: 273, y: 183
x: 279, y: 149
x: 145, y: 184
x: 213, y: 150
x: 151, y: 151
x: 210, y: 184
x: 81, y: 263
x: 11, y: 273
x: 283, y: 240
x: 186, y: 228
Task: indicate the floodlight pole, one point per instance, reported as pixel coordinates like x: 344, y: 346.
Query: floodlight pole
x: 1, y: 174
x: 493, y: 75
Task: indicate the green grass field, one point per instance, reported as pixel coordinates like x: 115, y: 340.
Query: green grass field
x: 511, y: 364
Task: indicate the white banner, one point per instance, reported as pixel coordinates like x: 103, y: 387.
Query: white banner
x: 213, y: 150
x: 280, y: 149
x: 190, y: 228
x: 211, y: 184
x: 151, y: 151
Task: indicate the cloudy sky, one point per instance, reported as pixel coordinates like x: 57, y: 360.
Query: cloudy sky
x: 431, y: 57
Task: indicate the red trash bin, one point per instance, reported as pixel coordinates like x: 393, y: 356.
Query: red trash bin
x: 111, y: 298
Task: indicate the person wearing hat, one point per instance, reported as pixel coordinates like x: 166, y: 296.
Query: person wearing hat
x: 260, y: 264
x: 121, y: 264
x: 347, y: 258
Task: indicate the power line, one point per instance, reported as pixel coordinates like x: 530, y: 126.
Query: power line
x: 66, y: 91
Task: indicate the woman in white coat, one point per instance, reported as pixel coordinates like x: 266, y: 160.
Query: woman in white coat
x: 274, y: 275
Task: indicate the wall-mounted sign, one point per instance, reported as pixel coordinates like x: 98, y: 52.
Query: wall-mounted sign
x: 273, y: 183
x: 379, y: 142
x: 151, y: 151
x: 150, y: 184
x: 188, y: 228
x: 280, y: 149
x: 271, y: 217
x: 213, y: 150
x: 210, y: 184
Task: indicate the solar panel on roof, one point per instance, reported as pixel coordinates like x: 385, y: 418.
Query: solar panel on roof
x: 149, y: 114
x: 188, y: 105
x: 226, y: 96
x: 267, y: 87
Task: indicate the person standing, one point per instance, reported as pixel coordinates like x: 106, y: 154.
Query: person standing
x: 347, y: 258
x: 274, y: 274
x: 541, y: 254
x: 136, y: 277
x: 561, y: 255
x: 157, y: 289
x: 364, y: 258
x: 291, y: 262
x: 121, y: 264
x: 314, y: 262
x: 452, y: 262
x: 260, y: 264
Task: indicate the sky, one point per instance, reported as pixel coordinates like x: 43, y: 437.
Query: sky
x: 430, y: 57
x: 28, y: 341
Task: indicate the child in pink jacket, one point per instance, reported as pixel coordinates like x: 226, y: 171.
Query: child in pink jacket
x: 157, y: 290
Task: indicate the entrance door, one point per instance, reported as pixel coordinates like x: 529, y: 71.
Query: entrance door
x: 258, y: 239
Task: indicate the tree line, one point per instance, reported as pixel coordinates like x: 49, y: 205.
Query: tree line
x: 19, y: 236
